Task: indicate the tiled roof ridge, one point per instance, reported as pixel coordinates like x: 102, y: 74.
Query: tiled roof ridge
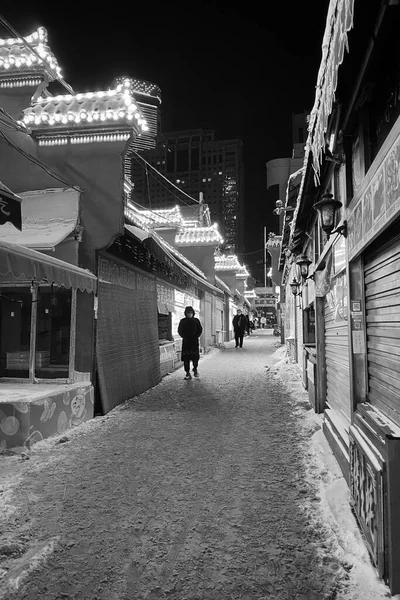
x: 202, y: 234
x: 179, y: 256
x: 228, y: 262
x: 140, y: 86
x: 16, y: 59
x: 85, y: 110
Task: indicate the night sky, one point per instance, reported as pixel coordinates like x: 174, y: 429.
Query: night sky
x: 229, y: 69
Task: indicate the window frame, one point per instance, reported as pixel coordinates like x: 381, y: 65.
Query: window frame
x: 32, y: 342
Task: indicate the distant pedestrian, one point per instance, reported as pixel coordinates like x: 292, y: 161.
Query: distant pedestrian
x: 247, y: 324
x: 190, y: 330
x: 239, y: 326
x: 263, y: 322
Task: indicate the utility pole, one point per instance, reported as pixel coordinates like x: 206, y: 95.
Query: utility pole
x: 265, y: 257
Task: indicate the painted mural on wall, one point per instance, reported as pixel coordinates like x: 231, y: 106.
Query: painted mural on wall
x: 25, y: 423
x: 378, y: 205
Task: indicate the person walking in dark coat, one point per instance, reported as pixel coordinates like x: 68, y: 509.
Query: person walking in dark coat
x: 248, y: 329
x: 239, y: 326
x: 190, y: 330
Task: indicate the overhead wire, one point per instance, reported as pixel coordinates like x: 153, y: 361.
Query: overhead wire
x: 11, y: 121
x: 37, y: 162
x: 164, y: 186
x: 46, y: 67
x: 254, y: 252
x: 55, y: 175
x: 166, y: 178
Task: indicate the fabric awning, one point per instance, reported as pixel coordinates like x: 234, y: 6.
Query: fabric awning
x: 10, y: 208
x: 48, y: 217
x: 26, y: 264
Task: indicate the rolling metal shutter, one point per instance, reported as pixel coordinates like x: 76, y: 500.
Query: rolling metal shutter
x: 382, y: 295
x: 299, y: 333
x: 337, y: 362
x: 127, y: 349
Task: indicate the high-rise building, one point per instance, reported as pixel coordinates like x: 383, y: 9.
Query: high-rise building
x: 195, y: 162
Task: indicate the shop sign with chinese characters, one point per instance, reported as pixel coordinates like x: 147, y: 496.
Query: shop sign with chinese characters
x: 379, y: 203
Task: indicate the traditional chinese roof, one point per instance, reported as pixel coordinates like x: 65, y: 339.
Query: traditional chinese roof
x: 242, y: 272
x: 164, y: 217
x: 138, y: 86
x: 197, y: 236
x: 274, y: 241
x: 93, y: 111
x: 227, y: 263
x: 178, y: 255
x: 160, y: 218
x: 17, y: 61
x: 189, y: 233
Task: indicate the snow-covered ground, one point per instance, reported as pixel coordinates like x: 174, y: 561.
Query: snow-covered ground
x: 222, y: 488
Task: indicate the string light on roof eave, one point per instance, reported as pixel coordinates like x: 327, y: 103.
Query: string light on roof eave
x: 138, y: 86
x: 37, y: 41
x: 40, y: 35
x: 82, y: 139
x: 76, y: 110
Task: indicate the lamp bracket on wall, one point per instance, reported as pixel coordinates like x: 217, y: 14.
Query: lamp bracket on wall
x: 338, y: 159
x: 342, y: 229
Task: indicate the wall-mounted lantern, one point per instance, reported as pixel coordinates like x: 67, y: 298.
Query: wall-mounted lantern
x: 295, y: 287
x: 327, y: 208
x: 303, y: 262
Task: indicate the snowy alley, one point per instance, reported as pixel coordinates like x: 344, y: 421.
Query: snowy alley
x: 220, y: 488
